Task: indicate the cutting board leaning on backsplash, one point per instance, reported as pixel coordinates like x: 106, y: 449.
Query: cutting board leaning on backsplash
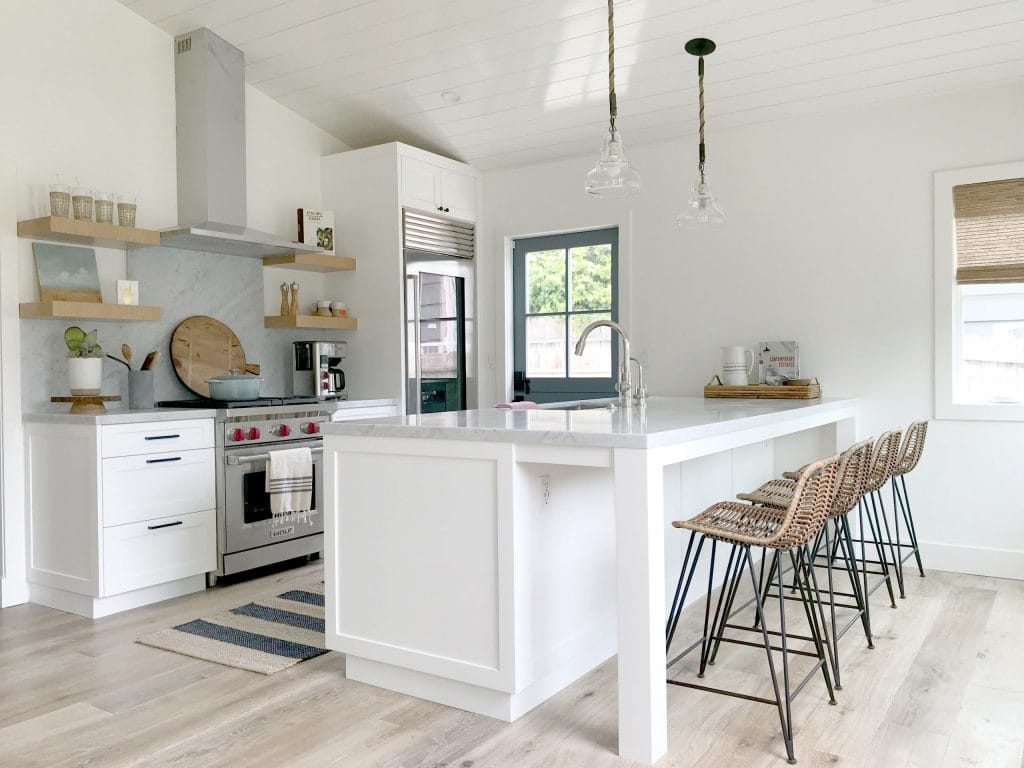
x: 201, y: 348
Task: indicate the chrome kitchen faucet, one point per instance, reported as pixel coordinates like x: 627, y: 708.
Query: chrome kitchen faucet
x: 627, y: 398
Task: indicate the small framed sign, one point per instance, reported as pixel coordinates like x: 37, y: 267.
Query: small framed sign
x: 128, y: 292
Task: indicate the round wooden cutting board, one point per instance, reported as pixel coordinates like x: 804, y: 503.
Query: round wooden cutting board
x: 201, y: 348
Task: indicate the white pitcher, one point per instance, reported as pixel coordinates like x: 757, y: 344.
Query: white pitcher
x: 736, y: 365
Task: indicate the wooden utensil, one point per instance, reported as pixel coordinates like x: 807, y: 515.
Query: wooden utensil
x: 119, y: 360
x: 201, y: 348
x: 147, y: 364
x: 127, y: 352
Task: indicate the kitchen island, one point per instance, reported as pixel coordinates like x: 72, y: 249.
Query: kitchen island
x: 486, y: 559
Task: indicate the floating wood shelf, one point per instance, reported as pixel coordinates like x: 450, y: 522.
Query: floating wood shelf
x: 89, y: 311
x: 311, y: 321
x: 312, y: 262
x: 86, y: 232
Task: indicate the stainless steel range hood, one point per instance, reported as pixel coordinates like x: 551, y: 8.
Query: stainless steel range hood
x: 209, y: 90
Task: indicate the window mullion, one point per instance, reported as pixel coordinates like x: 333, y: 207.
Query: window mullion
x: 568, y: 315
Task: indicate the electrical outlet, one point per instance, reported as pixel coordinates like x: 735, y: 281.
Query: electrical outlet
x: 545, y: 484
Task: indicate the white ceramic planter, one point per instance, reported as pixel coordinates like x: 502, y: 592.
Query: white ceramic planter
x: 85, y: 374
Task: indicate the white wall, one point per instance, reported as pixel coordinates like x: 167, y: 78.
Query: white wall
x: 828, y: 241
x: 88, y: 91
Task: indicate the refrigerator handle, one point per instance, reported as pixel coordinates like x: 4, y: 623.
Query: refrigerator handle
x: 415, y: 404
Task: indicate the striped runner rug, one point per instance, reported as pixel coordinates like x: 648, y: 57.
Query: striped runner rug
x: 266, y: 636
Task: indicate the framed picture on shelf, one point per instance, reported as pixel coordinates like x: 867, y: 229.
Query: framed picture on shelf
x: 67, y: 273
x: 128, y: 292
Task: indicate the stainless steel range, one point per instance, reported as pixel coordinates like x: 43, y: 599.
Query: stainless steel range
x: 246, y: 433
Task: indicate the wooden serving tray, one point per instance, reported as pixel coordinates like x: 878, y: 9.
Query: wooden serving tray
x: 715, y: 388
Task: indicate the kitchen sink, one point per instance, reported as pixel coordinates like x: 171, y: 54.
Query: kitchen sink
x: 584, y: 406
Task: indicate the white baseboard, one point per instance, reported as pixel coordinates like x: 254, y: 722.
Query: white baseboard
x: 98, y: 607
x: 499, y: 705
x: 979, y: 561
x: 13, y: 592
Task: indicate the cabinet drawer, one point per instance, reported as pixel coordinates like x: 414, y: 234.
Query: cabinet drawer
x: 154, y: 437
x: 157, y: 551
x: 137, y: 488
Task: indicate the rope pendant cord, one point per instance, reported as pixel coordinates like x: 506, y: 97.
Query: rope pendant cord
x: 612, y: 106
x: 700, y: 112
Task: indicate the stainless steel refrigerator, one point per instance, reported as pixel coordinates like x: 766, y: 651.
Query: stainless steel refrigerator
x: 440, y: 359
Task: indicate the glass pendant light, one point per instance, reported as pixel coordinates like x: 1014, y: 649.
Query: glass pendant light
x: 613, y: 176
x: 702, y: 208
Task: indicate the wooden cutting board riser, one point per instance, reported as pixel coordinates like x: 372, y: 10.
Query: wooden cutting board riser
x: 203, y: 347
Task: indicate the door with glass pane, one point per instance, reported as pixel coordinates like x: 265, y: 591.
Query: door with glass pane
x: 561, y: 283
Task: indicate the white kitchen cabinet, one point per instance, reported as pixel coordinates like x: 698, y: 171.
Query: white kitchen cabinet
x: 143, y: 554
x: 433, y: 187
x: 137, y: 488
x: 120, y: 515
x: 155, y: 437
x: 368, y: 189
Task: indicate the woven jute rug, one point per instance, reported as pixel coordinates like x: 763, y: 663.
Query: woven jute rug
x: 264, y: 636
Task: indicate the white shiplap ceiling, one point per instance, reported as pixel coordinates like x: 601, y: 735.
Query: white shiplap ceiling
x: 532, y: 80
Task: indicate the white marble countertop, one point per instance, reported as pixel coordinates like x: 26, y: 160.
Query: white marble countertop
x: 341, y: 405
x: 60, y: 415
x: 665, y: 421
x: 118, y: 415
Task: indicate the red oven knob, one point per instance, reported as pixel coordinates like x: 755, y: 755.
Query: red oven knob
x: 254, y: 433
x: 311, y: 429
x: 284, y: 430
x: 237, y: 434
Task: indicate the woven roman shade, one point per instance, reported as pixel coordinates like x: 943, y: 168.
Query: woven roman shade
x: 990, y: 231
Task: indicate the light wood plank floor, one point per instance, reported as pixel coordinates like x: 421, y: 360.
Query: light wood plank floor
x: 944, y: 687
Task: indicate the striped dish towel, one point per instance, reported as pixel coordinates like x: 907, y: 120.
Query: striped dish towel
x: 290, y: 483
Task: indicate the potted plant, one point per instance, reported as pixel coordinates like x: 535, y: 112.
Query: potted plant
x: 85, y: 361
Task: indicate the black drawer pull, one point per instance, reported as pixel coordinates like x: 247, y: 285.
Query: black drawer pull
x: 163, y: 461
x: 165, y: 525
x: 160, y: 437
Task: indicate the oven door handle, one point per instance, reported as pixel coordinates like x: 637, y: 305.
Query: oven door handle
x: 236, y: 460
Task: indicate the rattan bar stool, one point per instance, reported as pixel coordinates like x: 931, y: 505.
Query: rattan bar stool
x: 835, y: 538
x: 909, y: 456
x: 883, y: 465
x: 741, y: 527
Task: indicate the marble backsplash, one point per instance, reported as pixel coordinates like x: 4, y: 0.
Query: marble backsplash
x: 182, y: 283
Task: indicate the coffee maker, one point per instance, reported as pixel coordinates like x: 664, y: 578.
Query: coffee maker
x: 316, y: 369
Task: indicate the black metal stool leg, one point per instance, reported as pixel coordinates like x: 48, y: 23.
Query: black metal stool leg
x: 787, y: 722
x: 766, y: 586
x: 678, y: 604
x: 679, y: 589
x: 707, y: 607
x: 731, y: 586
x: 876, y: 534
x: 851, y: 566
x: 811, y: 598
x: 759, y: 612
x: 832, y: 605
x: 910, y: 523
x: 716, y: 631
x: 896, y: 563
